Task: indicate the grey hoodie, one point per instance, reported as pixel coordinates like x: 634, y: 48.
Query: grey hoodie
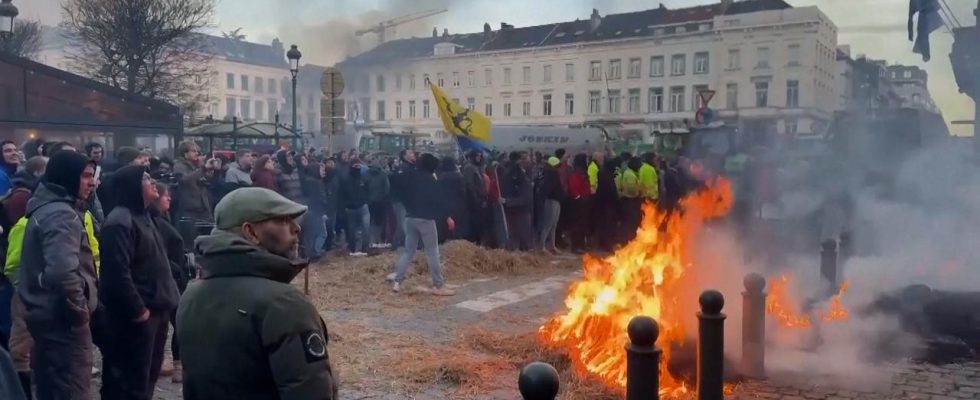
x: 58, y: 282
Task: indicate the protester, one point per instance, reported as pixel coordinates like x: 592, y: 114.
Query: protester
x: 605, y: 211
x: 497, y: 237
x: 354, y: 195
x: 287, y: 177
x: 518, y: 200
x: 11, y: 161
x: 476, y: 196
x: 138, y: 288
x: 56, y: 147
x: 631, y: 200
x: 453, y: 187
x: 24, y: 182
x: 553, y: 196
x: 379, y: 200
x: 245, y: 331
x: 264, y: 173
x: 425, y: 203
x: 331, y: 187
x: 193, y: 200
x: 58, y: 279
x: 10, y: 387
x: 239, y: 172
x: 179, y: 268
x: 649, y: 179
x: 398, y: 188
x: 314, y: 232
x: 580, y: 193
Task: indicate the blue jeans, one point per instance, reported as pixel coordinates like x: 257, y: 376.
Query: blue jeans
x: 314, y: 234
x: 400, y: 212
x: 358, y: 229
x: 423, y: 230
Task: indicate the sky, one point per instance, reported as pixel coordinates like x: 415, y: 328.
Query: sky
x: 314, y: 25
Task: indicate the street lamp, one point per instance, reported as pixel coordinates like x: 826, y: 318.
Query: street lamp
x: 7, y: 14
x: 293, y: 55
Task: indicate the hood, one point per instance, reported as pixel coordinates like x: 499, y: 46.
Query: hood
x: 127, y: 188
x: 226, y: 254
x: 65, y: 170
x: 47, y: 193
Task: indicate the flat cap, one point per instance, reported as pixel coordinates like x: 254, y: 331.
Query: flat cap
x: 253, y: 205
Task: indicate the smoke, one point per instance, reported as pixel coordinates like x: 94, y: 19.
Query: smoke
x: 333, y: 40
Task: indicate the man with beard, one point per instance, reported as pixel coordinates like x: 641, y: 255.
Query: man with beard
x: 138, y: 289
x: 245, y: 332
x: 58, y: 279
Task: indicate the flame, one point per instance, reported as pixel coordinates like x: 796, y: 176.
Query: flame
x: 779, y: 305
x: 644, y: 277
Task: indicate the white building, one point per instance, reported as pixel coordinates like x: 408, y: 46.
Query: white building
x: 773, y: 68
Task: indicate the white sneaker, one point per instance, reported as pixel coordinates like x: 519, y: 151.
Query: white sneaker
x: 396, y: 287
x: 384, y: 246
x: 358, y: 254
x: 390, y: 277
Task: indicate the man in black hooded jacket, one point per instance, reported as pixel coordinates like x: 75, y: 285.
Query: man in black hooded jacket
x: 138, y: 289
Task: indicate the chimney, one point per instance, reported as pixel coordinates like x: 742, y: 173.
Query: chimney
x: 278, y: 47
x: 445, y: 32
x: 435, y: 32
x: 505, y: 26
x: 487, y: 32
x: 594, y: 20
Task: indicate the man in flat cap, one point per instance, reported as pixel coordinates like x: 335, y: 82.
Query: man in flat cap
x: 244, y: 331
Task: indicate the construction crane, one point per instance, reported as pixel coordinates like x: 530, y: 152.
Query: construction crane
x: 383, y: 26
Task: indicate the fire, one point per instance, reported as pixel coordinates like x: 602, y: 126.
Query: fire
x: 779, y: 305
x: 646, y: 276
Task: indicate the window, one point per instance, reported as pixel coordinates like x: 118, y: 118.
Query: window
x: 701, y: 62
x: 488, y: 109
x: 731, y: 96
x: 411, y: 109
x: 677, y: 99
x: 595, y: 102
x: 595, y: 71
x: 527, y: 76
x: 471, y: 104
x: 734, y: 59
x: 615, y: 102
x: 455, y: 79
x: 762, y: 94
x: 273, y: 108
x: 271, y: 84
x: 546, y: 106
x: 506, y: 109
x: 425, y: 109
x: 488, y: 77
x: 471, y: 79
x: 634, y: 71
x: 259, y: 110
x: 916, y: 98
x: 259, y: 86
x: 398, y: 110
x: 657, y: 66
x: 547, y: 74
x: 794, y: 55
x: 411, y: 82
x: 633, y: 102
x: 526, y: 109
x: 792, y: 94
x: 656, y: 100
x: 569, y: 72
x: 792, y: 126
x: 569, y: 104
x: 230, y: 109
x: 246, y: 108
x: 381, y: 110
x: 506, y: 76
x: 231, y: 81
x: 908, y: 75
x: 696, y: 96
x: 678, y: 65
x: 440, y: 80
x: 616, y: 69
x: 398, y: 83
x: 244, y: 82
x: 762, y: 53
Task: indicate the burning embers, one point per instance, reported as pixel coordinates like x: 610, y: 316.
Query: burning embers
x: 649, y: 276
x: 779, y: 305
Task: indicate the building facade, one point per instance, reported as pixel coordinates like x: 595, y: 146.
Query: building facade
x: 911, y: 84
x: 772, y: 68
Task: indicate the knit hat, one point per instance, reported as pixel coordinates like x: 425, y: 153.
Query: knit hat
x: 553, y: 161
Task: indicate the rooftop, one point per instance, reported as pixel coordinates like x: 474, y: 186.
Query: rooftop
x: 657, y: 21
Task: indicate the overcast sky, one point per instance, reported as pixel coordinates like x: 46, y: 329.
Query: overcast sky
x: 306, y: 21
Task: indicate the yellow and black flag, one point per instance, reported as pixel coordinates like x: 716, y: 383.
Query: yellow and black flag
x: 459, y: 120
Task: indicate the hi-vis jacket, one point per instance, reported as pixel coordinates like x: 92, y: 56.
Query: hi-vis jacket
x: 15, y: 243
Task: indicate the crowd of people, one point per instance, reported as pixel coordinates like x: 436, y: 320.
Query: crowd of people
x: 101, y: 254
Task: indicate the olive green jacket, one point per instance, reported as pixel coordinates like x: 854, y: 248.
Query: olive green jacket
x: 246, y: 333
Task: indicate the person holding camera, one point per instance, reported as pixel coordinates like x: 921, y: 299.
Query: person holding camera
x: 193, y: 200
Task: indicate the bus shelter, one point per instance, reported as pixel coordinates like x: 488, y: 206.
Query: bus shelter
x: 219, y: 136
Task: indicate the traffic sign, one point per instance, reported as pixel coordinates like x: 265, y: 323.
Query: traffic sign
x: 331, y: 108
x: 330, y: 126
x: 332, y: 83
x: 706, y: 96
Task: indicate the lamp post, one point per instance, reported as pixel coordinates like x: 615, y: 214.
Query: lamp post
x: 293, y: 55
x: 7, y: 14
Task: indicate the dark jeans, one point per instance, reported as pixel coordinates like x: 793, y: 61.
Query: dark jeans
x: 521, y: 231
x: 632, y: 216
x: 358, y: 229
x: 131, y: 372
x: 580, y: 212
x: 61, y: 360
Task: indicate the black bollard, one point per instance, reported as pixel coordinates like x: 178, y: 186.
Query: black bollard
x: 643, y: 359
x: 828, y: 261
x: 538, y: 381
x: 711, y: 346
x: 754, y: 326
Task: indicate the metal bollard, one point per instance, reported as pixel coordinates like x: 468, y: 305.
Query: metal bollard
x: 643, y: 359
x: 828, y: 261
x: 538, y: 381
x: 711, y: 346
x: 754, y: 326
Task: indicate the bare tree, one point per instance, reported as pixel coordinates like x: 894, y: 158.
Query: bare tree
x: 25, y: 41
x: 148, y: 47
